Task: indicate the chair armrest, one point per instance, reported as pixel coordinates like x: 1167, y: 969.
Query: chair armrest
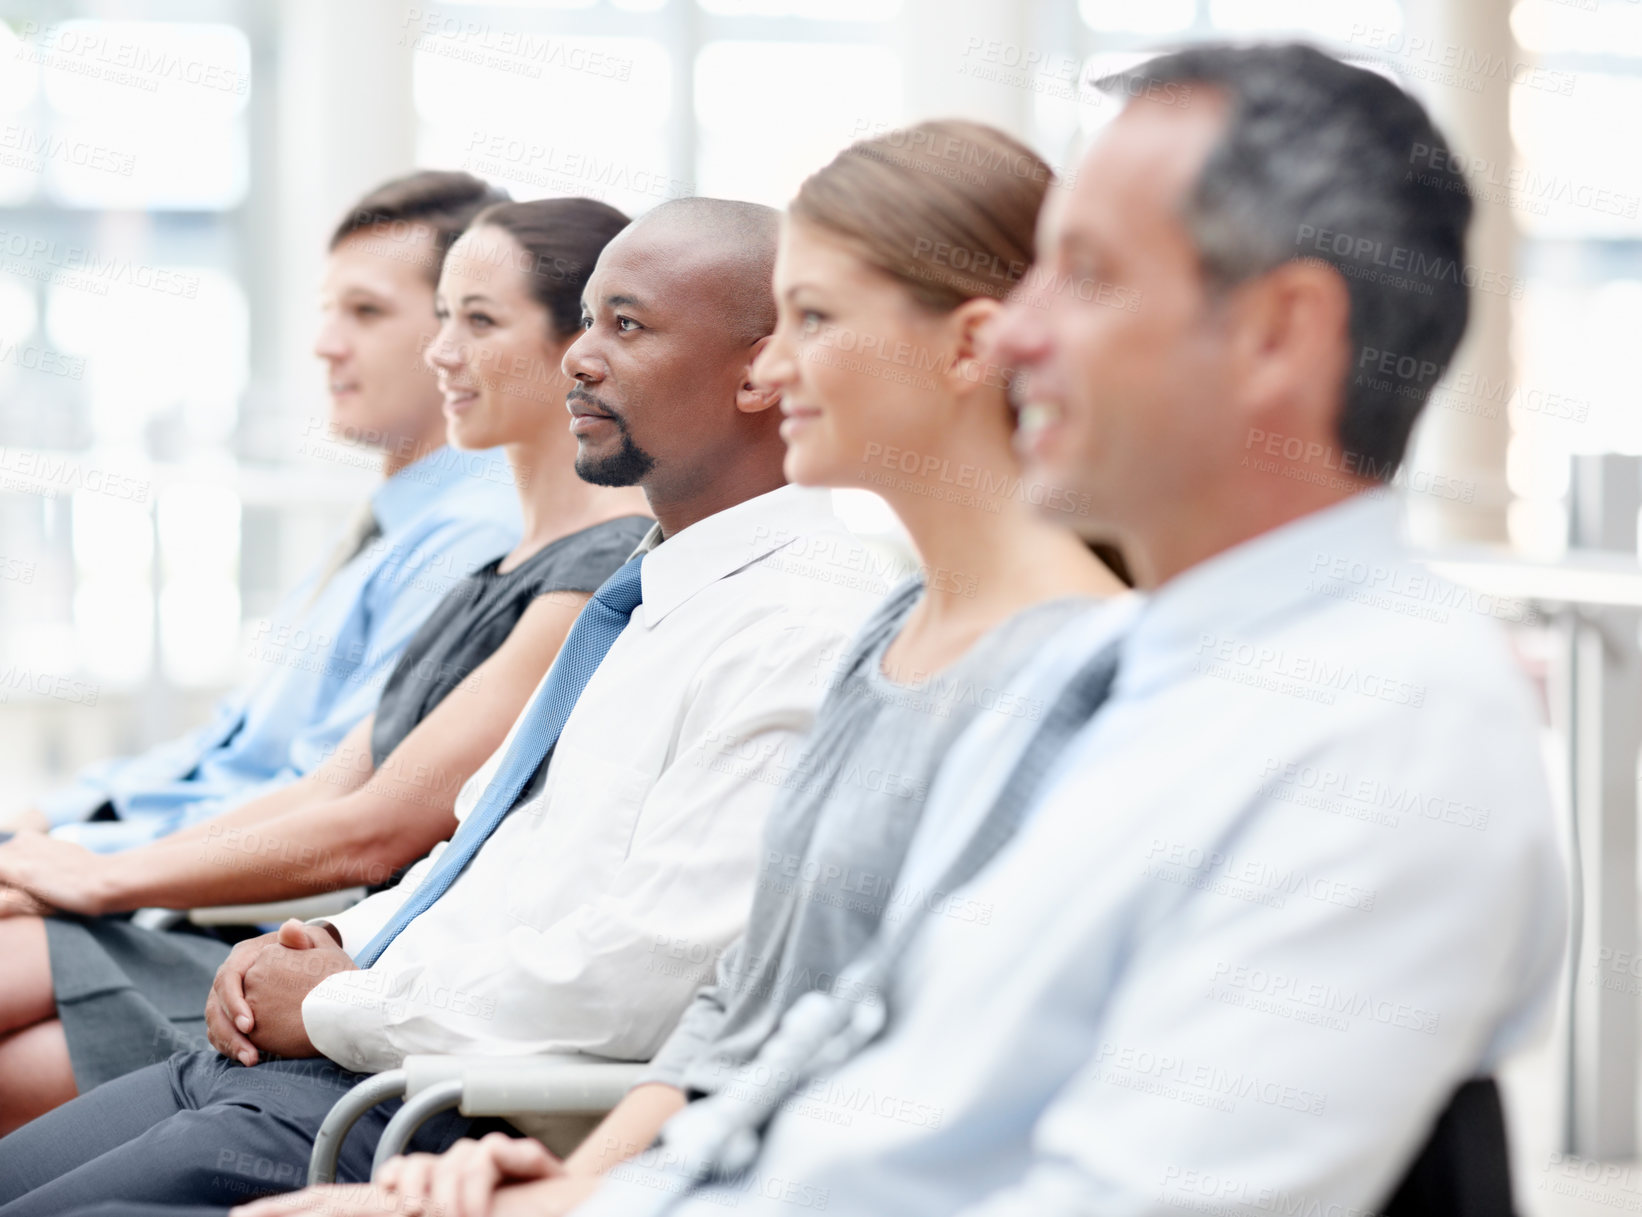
x: 561, y: 1084
x: 303, y: 909
x: 344, y: 1114
x: 571, y: 1088
x: 553, y: 1084
x: 157, y: 919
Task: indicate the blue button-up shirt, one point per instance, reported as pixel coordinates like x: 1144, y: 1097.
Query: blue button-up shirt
x: 1296, y: 881
x: 325, y: 656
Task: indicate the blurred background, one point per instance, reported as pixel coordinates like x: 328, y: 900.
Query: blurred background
x: 170, y: 171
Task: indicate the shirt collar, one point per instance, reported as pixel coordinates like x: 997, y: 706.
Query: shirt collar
x: 407, y: 493
x: 723, y: 543
x: 1243, y: 589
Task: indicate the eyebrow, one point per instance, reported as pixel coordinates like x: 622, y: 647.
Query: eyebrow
x: 1074, y: 239
x: 347, y: 297
x: 619, y: 301
x: 472, y: 296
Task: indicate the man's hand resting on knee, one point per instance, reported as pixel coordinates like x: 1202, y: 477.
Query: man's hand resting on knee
x: 255, y: 1007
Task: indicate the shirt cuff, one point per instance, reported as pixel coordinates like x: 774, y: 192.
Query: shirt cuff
x: 109, y: 836
x: 71, y: 804
x: 346, y: 1018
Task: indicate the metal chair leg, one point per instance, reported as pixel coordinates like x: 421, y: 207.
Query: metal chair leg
x: 417, y: 1111
x: 344, y: 1115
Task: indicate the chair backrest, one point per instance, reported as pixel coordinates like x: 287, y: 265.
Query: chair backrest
x: 1464, y: 1169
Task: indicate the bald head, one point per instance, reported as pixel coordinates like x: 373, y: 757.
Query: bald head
x: 724, y: 248
x: 675, y: 313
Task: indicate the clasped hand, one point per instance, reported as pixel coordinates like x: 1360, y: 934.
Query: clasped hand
x: 494, y: 1176
x: 255, y: 1007
x: 58, y: 875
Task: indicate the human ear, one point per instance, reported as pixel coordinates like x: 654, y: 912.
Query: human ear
x: 1290, y: 331
x: 968, y: 325
x: 750, y: 396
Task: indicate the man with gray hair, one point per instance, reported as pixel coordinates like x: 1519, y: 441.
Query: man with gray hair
x: 1276, y: 873
x: 1224, y: 928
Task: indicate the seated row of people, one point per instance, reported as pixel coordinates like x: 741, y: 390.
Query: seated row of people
x: 1012, y: 891
x: 99, y: 996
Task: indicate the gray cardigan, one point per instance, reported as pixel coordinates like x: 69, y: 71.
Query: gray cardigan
x: 839, y: 830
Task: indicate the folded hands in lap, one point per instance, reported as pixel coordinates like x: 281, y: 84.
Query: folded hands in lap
x: 59, y: 875
x: 255, y: 1007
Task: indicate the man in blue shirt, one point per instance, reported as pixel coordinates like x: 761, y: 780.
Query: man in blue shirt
x: 328, y: 648
x: 1276, y: 870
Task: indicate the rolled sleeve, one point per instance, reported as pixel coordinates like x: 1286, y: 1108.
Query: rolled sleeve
x: 73, y: 804
x: 401, y: 596
x: 699, y: 1026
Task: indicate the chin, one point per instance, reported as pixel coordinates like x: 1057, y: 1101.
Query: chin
x: 1052, y: 461
x: 348, y: 412
x: 803, y: 470
x: 364, y: 420
x: 470, y: 439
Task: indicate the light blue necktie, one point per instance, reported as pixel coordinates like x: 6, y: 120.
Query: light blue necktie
x: 585, y: 647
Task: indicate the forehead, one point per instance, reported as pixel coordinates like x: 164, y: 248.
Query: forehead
x: 805, y: 249
x: 1139, y: 169
x: 486, y: 256
x: 657, y: 264
x: 383, y: 260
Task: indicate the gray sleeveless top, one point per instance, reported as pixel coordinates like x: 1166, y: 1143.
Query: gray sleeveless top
x: 840, y: 828
x: 477, y: 615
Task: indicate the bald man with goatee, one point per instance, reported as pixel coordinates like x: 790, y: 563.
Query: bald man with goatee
x: 607, y: 852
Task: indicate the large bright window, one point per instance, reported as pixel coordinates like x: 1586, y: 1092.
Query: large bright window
x: 124, y: 337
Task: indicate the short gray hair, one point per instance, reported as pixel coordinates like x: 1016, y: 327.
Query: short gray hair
x: 1322, y: 160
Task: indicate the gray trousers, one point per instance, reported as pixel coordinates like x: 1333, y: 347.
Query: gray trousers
x: 196, y: 1129
x: 119, y: 1208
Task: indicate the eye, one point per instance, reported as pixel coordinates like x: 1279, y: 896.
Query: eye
x: 809, y: 321
x: 480, y: 321
x: 367, y: 310
x: 587, y: 322
x: 627, y: 325
x: 1079, y: 272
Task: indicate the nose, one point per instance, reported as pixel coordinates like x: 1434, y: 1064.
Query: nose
x: 443, y: 352
x: 1018, y: 337
x: 329, y: 343
x: 775, y: 367
x: 582, y: 361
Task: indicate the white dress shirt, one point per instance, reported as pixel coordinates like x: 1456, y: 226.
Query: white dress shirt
x: 592, y: 914
x: 1295, y: 882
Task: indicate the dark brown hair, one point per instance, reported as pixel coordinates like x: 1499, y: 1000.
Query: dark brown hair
x: 562, y: 239
x: 441, y: 201
x: 948, y: 208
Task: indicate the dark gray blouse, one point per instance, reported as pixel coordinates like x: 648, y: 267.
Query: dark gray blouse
x: 478, y: 614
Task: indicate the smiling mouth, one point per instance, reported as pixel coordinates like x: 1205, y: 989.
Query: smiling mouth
x: 1036, y: 417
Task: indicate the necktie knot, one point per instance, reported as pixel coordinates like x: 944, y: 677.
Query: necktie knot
x: 623, y: 591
